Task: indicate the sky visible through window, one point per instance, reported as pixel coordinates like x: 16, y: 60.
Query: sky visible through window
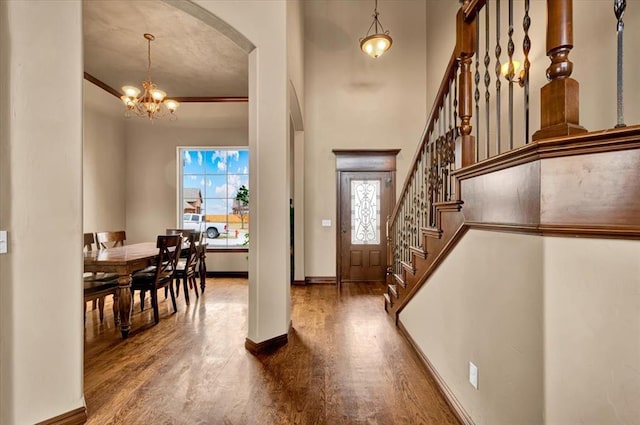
x: 211, y: 179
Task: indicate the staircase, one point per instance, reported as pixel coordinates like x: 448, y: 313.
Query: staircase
x: 464, y: 133
x: 435, y: 244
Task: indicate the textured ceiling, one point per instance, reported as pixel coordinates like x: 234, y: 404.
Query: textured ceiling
x: 189, y: 58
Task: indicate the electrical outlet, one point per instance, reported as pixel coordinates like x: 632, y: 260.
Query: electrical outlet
x: 473, y: 375
x: 326, y: 222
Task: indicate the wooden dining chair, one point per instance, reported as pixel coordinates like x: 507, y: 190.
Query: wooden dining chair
x: 201, y: 254
x: 99, y: 285
x: 110, y: 239
x: 187, y: 267
x: 169, y: 248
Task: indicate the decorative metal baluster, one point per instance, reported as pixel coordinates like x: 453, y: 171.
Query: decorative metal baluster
x: 405, y: 236
x: 441, y: 198
x: 487, y: 81
x: 414, y: 212
x: 419, y: 184
x: 425, y: 175
x: 476, y: 80
x: 526, y: 48
x: 497, y: 68
x: 618, y: 8
x: 423, y: 185
x: 511, y: 72
x: 431, y: 177
x: 402, y: 233
x: 454, y: 131
x: 428, y: 177
x: 449, y: 131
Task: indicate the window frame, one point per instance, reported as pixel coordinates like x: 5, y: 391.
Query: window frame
x: 180, y: 214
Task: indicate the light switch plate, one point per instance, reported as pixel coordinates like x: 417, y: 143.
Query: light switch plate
x: 3, y: 242
x: 326, y: 222
x: 473, y: 375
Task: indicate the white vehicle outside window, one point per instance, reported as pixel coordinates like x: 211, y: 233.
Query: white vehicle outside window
x: 209, y: 183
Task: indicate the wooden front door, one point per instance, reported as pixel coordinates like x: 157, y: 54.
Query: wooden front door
x: 365, y: 200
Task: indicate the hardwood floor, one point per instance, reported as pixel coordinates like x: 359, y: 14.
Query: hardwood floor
x: 345, y: 363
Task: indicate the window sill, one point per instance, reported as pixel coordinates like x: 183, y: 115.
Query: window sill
x: 209, y: 249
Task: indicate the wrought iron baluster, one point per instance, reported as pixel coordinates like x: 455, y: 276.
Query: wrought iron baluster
x: 440, y: 165
x: 414, y: 215
x: 618, y: 8
x: 511, y: 72
x: 425, y: 198
x: 476, y: 80
x: 454, y: 132
x: 487, y: 81
x: 419, y: 190
x: 497, y: 69
x: 526, y: 48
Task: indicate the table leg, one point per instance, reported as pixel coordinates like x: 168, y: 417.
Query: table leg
x: 123, y: 293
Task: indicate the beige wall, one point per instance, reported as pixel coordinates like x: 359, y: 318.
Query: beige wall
x: 40, y: 202
x: 440, y: 41
x: 594, y: 58
x: 552, y: 324
x: 116, y: 165
x: 295, y: 70
x: 353, y: 101
x: 103, y: 161
x: 592, y: 331
x: 264, y: 24
x: 582, y: 368
x: 151, y: 169
x: 484, y: 304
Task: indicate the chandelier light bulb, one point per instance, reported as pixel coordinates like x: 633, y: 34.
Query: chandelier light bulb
x: 376, y: 45
x: 171, y: 105
x: 131, y: 91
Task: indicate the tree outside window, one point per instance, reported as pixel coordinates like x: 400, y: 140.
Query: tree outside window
x: 214, y: 194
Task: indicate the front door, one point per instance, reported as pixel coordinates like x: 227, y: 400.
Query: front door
x: 366, y: 201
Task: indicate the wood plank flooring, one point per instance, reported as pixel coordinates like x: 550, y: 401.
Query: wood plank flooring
x: 345, y: 363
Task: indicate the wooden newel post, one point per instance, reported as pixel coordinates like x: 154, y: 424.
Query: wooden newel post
x: 465, y: 49
x: 559, y: 98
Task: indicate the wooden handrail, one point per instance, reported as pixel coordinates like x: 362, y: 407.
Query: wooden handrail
x: 471, y: 8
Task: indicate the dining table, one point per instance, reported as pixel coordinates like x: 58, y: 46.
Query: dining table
x: 123, y: 260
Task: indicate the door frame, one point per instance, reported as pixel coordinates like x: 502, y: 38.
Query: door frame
x: 350, y: 160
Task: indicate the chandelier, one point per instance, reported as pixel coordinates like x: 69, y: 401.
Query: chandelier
x: 153, y: 102
x: 379, y: 42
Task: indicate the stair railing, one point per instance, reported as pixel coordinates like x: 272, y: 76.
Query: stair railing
x: 429, y: 179
x: 462, y: 130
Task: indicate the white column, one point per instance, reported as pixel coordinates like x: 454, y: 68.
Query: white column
x: 264, y: 24
x: 41, y: 208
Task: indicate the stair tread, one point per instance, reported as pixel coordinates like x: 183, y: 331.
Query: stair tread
x: 419, y: 251
x: 408, y: 267
x: 400, y: 280
x: 393, y: 289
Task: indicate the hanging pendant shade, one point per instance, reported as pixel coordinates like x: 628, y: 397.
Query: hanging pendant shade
x: 376, y: 44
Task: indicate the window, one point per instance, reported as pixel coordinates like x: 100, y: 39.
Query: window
x: 214, y: 194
